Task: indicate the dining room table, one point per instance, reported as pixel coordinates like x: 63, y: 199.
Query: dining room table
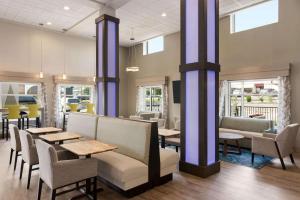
x: 86, y: 148
x: 163, y: 133
x: 43, y: 130
x: 59, y: 138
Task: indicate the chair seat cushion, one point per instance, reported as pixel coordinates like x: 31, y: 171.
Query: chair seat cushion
x: 168, y: 161
x: 246, y: 134
x: 121, y: 170
x: 173, y: 141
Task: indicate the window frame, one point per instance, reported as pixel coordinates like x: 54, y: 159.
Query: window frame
x: 146, y: 46
x: 233, y: 28
x: 151, y: 96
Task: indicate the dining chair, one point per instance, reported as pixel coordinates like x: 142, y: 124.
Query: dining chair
x: 29, y: 154
x: 73, y: 107
x: 15, y: 143
x: 90, y: 108
x: 58, y: 174
x: 33, y: 113
x: 12, y: 114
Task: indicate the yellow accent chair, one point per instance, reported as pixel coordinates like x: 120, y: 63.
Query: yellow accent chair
x: 73, y: 107
x: 33, y: 113
x: 90, y: 108
x: 13, y: 113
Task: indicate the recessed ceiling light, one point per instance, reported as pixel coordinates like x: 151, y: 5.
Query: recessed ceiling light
x: 164, y: 14
x: 66, y: 8
x: 49, y: 23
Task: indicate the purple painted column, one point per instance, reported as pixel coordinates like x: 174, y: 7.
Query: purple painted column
x: 107, y: 65
x: 199, y: 77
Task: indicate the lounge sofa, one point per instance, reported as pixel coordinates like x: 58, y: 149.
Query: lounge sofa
x: 248, y: 127
x: 138, y: 164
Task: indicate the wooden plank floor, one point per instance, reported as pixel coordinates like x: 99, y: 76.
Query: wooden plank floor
x: 232, y: 183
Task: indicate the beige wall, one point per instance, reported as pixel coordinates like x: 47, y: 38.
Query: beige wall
x: 20, y: 51
x: 273, y: 45
x: 165, y: 63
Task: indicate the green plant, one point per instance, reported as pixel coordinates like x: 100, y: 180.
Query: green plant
x: 261, y: 99
x: 248, y: 99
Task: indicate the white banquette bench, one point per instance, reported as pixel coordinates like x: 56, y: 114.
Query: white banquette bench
x: 138, y: 164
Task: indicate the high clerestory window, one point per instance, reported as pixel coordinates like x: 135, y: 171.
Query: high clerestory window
x: 255, y: 16
x: 153, y: 45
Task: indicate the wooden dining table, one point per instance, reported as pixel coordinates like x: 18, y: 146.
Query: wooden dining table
x: 87, y: 148
x: 60, y: 137
x: 163, y: 133
x: 44, y: 130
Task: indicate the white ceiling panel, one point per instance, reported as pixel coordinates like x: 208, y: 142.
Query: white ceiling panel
x: 144, y: 16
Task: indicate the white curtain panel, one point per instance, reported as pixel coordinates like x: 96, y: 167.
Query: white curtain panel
x: 284, y: 103
x: 139, y: 99
x: 56, y: 112
x: 223, y: 87
x: 165, y: 106
x: 45, y: 105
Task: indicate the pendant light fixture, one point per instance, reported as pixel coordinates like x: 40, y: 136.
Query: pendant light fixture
x: 132, y: 54
x: 41, y: 67
x: 64, y: 76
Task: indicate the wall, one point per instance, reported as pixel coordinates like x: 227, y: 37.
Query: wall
x: 273, y: 45
x: 165, y: 63
x: 20, y: 51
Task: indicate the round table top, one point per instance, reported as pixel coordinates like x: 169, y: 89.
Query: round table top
x: 230, y: 136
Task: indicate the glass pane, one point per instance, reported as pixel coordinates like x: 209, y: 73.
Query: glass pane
x: 156, y: 45
x: 255, y: 16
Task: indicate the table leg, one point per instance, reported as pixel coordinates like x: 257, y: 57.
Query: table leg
x: 163, y: 141
x: 225, y: 148
x: 238, y: 146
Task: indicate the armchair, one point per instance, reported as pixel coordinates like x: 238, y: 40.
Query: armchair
x: 276, y: 145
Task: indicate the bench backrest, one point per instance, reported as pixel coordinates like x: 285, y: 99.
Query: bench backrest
x: 132, y: 137
x: 83, y: 124
x: 246, y: 124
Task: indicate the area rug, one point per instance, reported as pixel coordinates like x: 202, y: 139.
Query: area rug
x: 245, y: 159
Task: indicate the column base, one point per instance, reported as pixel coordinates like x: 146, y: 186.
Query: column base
x: 201, y: 171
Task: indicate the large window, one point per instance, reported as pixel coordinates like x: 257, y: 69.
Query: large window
x: 153, y: 45
x: 152, y: 98
x: 255, y: 16
x: 78, y: 94
x: 19, y: 93
x: 254, y: 99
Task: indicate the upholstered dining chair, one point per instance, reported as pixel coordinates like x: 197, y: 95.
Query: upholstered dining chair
x: 276, y: 145
x: 58, y: 174
x: 15, y: 143
x: 12, y: 114
x: 29, y: 154
x: 161, y: 123
x: 33, y: 113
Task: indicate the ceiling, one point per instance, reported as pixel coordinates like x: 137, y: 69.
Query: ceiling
x: 144, y: 16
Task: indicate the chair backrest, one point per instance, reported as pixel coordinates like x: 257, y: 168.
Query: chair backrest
x: 83, y: 124
x: 286, y: 139
x: 14, y: 137
x: 161, y: 123
x: 33, y: 110
x: 13, y: 111
x: 177, y: 124
x: 90, y: 108
x: 131, y: 137
x: 47, y: 158
x: 73, y: 107
x: 27, y: 146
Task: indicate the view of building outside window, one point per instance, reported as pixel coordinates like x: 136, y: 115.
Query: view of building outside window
x: 254, y: 99
x: 12, y: 93
x: 75, y: 94
x: 153, y: 98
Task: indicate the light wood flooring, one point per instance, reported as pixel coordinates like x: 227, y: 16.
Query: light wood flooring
x: 234, y: 182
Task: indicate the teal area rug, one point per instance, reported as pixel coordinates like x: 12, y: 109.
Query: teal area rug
x: 245, y: 159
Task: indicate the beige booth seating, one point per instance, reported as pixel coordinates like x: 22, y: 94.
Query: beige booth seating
x: 248, y: 127
x: 83, y: 124
x: 136, y: 165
